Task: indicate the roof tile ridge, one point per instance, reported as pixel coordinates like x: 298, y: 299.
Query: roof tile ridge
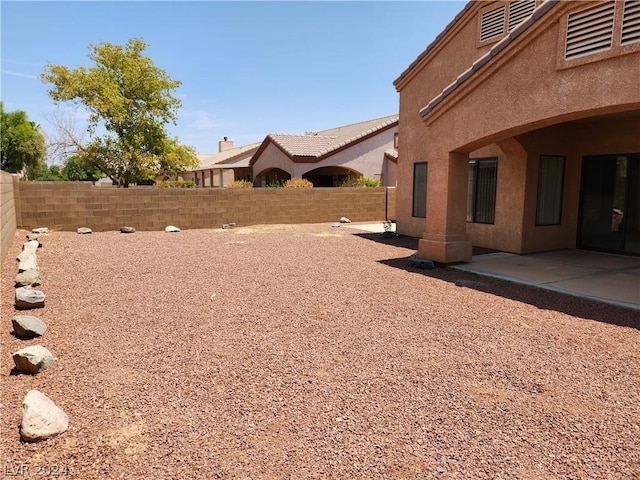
x: 358, y: 136
x: 389, y: 117
x: 485, y: 58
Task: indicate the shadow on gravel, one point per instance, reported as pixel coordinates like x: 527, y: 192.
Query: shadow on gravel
x: 540, y: 298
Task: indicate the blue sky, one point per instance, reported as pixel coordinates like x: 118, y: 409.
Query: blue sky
x: 247, y: 68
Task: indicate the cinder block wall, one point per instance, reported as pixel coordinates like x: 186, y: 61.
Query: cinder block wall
x: 8, y: 223
x: 69, y: 205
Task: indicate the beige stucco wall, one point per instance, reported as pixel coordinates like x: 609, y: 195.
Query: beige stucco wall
x: 69, y: 205
x: 527, y: 87
x: 8, y: 189
x: 270, y: 158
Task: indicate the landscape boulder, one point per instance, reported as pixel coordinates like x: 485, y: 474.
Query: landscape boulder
x: 31, y: 246
x: 28, y: 326
x: 40, y: 230
x: 33, y: 359
x: 28, y: 261
x: 344, y: 220
x: 28, y: 278
x: 28, y: 298
x: 171, y: 229
x: 421, y: 263
x: 41, y: 418
x: 127, y: 229
x: 84, y: 230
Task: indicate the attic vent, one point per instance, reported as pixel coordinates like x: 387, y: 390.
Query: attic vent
x: 631, y: 22
x: 590, y: 31
x: 519, y: 10
x: 492, y: 24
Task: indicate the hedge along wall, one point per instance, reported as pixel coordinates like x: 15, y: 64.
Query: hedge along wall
x: 69, y: 205
x: 8, y: 211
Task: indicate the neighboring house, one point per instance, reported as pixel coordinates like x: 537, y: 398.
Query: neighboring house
x: 520, y: 131
x: 222, y: 168
x: 330, y: 157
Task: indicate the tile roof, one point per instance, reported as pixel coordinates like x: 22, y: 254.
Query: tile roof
x: 318, y: 144
x: 484, y: 59
x: 229, y: 158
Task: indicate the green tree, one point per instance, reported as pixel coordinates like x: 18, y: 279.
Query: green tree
x: 131, y: 100
x: 76, y: 169
x: 23, y: 144
x: 45, y: 173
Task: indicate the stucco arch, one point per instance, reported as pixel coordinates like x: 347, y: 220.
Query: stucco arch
x: 331, y: 175
x: 271, y: 176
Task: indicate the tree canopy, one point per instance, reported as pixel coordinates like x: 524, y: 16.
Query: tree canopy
x: 131, y: 99
x: 23, y: 144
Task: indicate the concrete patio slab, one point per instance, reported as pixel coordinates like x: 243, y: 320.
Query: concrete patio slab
x: 608, y: 278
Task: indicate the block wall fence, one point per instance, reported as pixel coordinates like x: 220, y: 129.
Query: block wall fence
x: 69, y: 205
x: 8, y: 211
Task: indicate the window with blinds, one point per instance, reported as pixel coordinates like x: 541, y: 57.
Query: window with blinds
x: 550, y: 190
x: 590, y: 31
x: 630, y: 22
x: 481, y: 192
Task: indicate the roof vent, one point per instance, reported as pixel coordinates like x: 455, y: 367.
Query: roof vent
x: 519, y: 10
x: 631, y: 22
x: 492, y: 24
x: 590, y: 31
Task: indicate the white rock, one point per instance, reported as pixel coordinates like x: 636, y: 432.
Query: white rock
x: 28, y: 298
x: 40, y: 230
x: 344, y: 220
x: 31, y: 278
x: 32, y: 359
x: 31, y: 246
x: 41, y: 418
x: 28, y: 261
x: 84, y: 230
x: 171, y: 228
x: 28, y: 326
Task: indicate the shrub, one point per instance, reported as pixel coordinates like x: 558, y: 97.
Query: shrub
x: 368, y: 182
x: 180, y: 183
x: 352, y: 181
x: 298, y: 183
x: 241, y: 184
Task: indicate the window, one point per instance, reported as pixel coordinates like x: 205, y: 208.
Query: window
x: 590, y: 31
x: 481, y: 199
x: 550, y: 183
x: 420, y: 190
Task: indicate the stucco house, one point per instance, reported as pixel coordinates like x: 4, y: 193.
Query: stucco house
x: 327, y: 158
x: 220, y: 169
x: 520, y: 128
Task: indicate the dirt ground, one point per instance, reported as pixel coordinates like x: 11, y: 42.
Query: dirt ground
x: 312, y: 352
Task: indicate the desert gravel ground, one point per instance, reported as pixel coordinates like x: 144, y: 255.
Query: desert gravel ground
x: 312, y: 352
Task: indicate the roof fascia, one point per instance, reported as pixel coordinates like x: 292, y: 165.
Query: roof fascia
x: 470, y: 77
x: 450, y: 30
x: 263, y: 146
x: 357, y: 140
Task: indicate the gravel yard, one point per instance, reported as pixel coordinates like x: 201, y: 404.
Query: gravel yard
x: 311, y: 352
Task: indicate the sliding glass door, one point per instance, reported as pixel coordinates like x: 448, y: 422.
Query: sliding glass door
x: 609, y: 217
